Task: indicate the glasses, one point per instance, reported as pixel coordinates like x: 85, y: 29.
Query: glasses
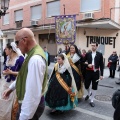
x: 17, y: 41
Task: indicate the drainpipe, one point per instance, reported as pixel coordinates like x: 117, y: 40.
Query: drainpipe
x: 112, y: 9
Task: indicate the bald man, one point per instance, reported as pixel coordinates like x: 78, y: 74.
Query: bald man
x: 31, y: 80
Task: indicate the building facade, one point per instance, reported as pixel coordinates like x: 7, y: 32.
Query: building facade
x: 96, y: 20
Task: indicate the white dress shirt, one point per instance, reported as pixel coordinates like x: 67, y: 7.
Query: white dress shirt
x: 93, y: 57
x: 33, y: 89
x: 93, y: 60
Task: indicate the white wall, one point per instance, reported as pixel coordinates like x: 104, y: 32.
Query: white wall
x: 117, y: 11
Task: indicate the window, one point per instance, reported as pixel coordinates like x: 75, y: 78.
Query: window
x: 90, y: 5
x: 6, y: 19
x: 53, y: 8
x: 49, y: 37
x: 18, y: 24
x: 19, y: 15
x: 36, y: 12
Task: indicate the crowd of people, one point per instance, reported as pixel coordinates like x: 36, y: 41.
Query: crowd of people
x: 26, y: 89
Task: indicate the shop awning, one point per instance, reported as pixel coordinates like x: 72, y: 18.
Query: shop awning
x: 99, y: 24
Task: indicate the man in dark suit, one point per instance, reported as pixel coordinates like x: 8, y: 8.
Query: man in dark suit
x: 94, y: 63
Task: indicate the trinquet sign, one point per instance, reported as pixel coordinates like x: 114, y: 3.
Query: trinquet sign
x: 101, y: 40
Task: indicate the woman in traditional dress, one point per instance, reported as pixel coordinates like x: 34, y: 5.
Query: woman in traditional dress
x: 75, y: 60
x: 61, y: 93
x: 13, y: 64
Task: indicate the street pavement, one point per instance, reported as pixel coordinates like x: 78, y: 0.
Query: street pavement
x: 103, y: 109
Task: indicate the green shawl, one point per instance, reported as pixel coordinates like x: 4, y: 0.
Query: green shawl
x: 21, y: 79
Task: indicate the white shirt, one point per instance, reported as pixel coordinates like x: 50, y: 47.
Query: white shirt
x: 93, y: 57
x: 34, y: 80
x: 75, y: 58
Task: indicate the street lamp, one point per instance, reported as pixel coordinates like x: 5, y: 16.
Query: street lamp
x: 4, y: 7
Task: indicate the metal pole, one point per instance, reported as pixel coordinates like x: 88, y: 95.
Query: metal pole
x: 64, y: 9
x: 111, y: 10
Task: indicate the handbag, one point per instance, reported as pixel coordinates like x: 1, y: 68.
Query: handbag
x: 109, y: 64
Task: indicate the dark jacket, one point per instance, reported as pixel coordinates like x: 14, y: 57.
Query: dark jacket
x: 114, y: 60
x: 98, y: 60
x: 5, y: 56
x: 117, y: 113
x: 48, y: 58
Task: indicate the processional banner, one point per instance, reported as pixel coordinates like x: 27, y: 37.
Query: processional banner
x: 65, y: 28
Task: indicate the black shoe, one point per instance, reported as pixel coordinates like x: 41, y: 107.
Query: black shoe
x: 117, y: 83
x: 118, y: 69
x: 60, y: 112
x: 87, y: 97
x: 56, y: 112
x: 113, y: 77
x: 79, y: 100
x: 92, y: 104
x: 53, y: 112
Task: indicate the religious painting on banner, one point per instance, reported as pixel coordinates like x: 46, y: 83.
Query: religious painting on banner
x: 65, y: 28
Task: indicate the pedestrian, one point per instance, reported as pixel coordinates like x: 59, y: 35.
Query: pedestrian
x: 118, y: 63
x: 61, y: 93
x: 93, y: 61
x: 117, y: 113
x: 5, y: 57
x: 47, y: 54
x: 118, y: 82
x: 60, y: 51
x: 112, y: 61
x: 83, y: 53
x: 75, y: 60
x: 79, y: 50
x: 89, y: 50
x: 66, y: 50
x: 13, y: 64
x: 83, y: 66
x: 31, y: 80
x: 116, y: 104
